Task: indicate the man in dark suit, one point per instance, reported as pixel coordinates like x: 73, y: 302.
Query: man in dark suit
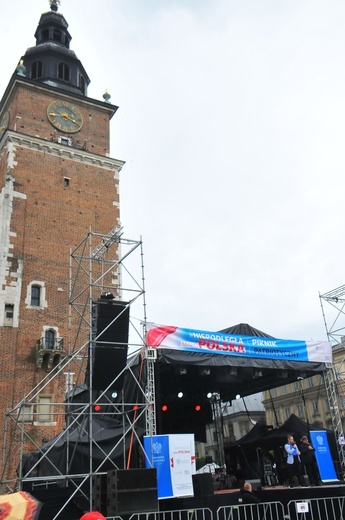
x: 309, y: 461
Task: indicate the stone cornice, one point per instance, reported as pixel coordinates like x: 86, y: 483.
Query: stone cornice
x: 61, y: 150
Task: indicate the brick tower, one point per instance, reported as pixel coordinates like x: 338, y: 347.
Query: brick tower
x: 57, y: 181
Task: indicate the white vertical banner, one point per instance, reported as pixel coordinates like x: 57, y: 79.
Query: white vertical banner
x: 182, y: 464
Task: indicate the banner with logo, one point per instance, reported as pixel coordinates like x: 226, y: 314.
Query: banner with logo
x: 175, y: 338
x: 173, y: 456
x: 323, y: 455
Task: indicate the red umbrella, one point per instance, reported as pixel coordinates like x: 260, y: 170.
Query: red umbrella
x: 19, y: 506
x: 93, y: 515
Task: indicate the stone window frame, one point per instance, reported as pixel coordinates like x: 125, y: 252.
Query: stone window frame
x: 43, y: 302
x: 8, y: 322
x: 50, y: 404
x: 26, y: 413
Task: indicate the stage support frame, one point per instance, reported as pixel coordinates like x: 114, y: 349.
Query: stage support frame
x: 102, y: 264
x: 334, y: 382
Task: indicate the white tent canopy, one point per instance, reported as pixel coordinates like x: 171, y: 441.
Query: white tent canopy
x: 208, y: 468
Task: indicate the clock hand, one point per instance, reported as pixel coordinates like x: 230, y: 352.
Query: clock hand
x: 65, y: 116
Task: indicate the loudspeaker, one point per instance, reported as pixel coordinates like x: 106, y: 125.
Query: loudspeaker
x: 110, y: 333
x: 99, y: 493
x: 202, y: 484
x: 132, y: 491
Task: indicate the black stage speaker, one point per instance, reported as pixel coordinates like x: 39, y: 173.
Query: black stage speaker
x: 99, y: 493
x: 132, y: 491
x: 203, y: 484
x: 110, y: 334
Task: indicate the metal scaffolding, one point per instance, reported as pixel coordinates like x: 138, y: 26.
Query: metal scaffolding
x: 333, y: 305
x: 100, y: 265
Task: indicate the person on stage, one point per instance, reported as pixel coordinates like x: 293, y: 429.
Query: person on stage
x: 293, y: 462
x: 309, y: 461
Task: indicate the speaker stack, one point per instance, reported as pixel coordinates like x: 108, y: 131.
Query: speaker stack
x: 99, y: 493
x: 110, y: 324
x: 203, y: 484
x: 132, y: 491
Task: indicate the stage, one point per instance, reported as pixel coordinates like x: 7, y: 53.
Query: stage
x: 228, y: 497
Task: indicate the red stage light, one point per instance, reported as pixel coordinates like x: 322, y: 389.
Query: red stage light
x: 197, y: 408
x: 97, y: 408
x: 164, y: 408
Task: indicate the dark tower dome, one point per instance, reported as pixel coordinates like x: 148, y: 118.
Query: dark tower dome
x: 51, y: 61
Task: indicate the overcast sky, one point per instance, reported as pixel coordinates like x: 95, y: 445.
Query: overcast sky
x: 232, y: 126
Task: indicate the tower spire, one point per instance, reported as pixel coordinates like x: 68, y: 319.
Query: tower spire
x: 54, y: 5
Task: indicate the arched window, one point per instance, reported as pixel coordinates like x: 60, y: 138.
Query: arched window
x: 35, y: 295
x: 82, y: 83
x: 36, y: 70
x: 49, y: 339
x: 63, y: 71
x: 57, y: 36
x: 44, y: 35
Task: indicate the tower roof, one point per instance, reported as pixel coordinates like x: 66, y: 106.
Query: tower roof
x: 51, y: 61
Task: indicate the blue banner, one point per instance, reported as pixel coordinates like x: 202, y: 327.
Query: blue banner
x: 157, y: 451
x: 323, y: 455
x: 176, y: 338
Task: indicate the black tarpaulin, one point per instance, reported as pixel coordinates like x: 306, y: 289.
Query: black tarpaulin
x: 227, y: 375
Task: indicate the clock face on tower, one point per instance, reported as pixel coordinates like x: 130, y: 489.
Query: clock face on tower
x: 65, y: 116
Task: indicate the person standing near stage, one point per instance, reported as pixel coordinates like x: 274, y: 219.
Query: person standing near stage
x: 293, y: 462
x: 247, y: 496
x: 309, y: 461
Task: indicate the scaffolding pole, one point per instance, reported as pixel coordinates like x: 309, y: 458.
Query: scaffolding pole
x: 335, y: 300
x: 100, y: 264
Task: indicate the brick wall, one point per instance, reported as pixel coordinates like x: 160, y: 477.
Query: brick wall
x: 48, y: 216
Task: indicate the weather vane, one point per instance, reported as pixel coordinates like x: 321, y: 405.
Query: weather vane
x: 54, y: 4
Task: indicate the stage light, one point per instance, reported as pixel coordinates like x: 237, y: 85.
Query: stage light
x: 182, y: 371
x: 97, y: 408
x: 197, y: 408
x: 238, y: 396
x: 209, y: 395
x: 179, y: 395
x: 164, y: 408
x: 114, y: 395
x: 257, y: 374
x: 204, y: 371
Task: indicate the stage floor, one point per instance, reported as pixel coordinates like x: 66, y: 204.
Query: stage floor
x: 227, y: 497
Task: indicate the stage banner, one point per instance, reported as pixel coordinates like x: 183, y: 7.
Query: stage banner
x: 173, y: 456
x: 323, y: 455
x: 175, y: 338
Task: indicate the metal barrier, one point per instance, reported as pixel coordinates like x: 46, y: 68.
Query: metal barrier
x: 332, y: 508
x: 262, y: 511
x: 180, y: 514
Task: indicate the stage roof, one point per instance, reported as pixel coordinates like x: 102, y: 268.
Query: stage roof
x: 197, y: 373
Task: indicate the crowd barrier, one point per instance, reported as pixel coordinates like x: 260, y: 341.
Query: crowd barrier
x: 331, y: 508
